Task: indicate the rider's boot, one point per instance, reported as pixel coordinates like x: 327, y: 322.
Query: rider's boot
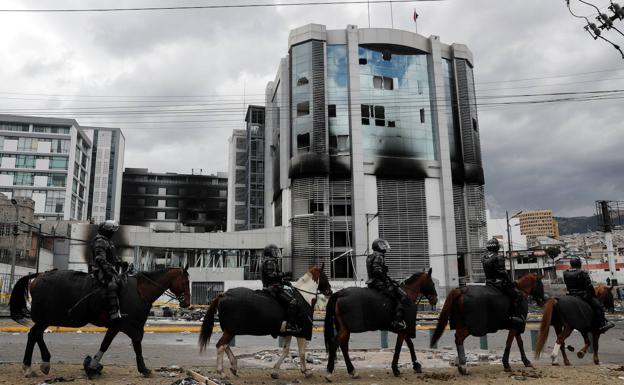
x: 606, y: 325
x: 290, y: 325
x: 114, y: 312
x: 398, y: 324
x: 516, y: 318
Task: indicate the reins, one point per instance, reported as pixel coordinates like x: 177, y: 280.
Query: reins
x: 166, y: 291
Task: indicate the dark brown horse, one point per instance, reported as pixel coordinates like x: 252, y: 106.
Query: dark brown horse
x: 72, y: 298
x: 357, y: 310
x: 478, y: 310
x: 566, y: 314
x: 243, y: 311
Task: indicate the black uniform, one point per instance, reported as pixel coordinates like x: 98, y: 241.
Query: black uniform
x: 579, y: 285
x: 105, y: 268
x: 378, y: 280
x: 496, y: 276
x: 274, y: 282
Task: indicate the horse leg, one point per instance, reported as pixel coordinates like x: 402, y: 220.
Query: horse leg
x: 581, y: 353
x: 45, y: 353
x: 301, y: 343
x: 285, y: 351
x: 595, y: 338
x: 232, y: 358
x: 397, y: 352
x: 222, y: 346
x: 561, y: 337
x: 138, y: 351
x: 92, y: 366
x: 460, y: 335
x: 510, y: 337
x: 33, y: 335
x: 415, y: 364
x: 523, y: 356
x: 343, y: 340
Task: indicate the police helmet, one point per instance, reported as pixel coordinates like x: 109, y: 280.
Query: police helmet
x: 381, y: 245
x: 492, y: 245
x: 575, y: 262
x: 108, y: 227
x: 272, y: 251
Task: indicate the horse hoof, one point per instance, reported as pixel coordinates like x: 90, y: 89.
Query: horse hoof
x: 354, y: 375
x: 28, y: 372
x: 570, y: 348
x: 146, y: 373
x: 275, y: 375
x: 580, y: 354
x: 234, y: 372
x: 45, y: 367
x: 567, y: 363
x: 555, y: 364
x: 596, y: 362
x: 328, y: 377
x: 462, y: 369
x: 417, y: 367
x: 396, y: 372
x: 507, y: 369
x: 528, y: 364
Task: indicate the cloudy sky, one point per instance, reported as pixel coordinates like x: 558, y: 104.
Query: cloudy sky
x: 177, y: 82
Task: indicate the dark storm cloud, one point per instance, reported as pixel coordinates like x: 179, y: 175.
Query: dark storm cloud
x: 558, y: 156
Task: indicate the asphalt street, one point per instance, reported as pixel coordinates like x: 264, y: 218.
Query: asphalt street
x: 162, y: 349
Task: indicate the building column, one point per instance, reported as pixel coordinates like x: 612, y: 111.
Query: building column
x: 448, y: 260
x: 358, y: 202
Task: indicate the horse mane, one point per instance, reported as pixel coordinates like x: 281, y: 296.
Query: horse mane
x: 155, y: 274
x: 413, y: 278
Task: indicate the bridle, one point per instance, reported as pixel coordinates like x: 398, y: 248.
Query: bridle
x: 419, y: 293
x: 166, y: 291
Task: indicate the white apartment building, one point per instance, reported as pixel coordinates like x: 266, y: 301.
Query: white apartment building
x: 47, y: 160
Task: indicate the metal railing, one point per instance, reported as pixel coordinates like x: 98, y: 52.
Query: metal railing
x: 5, y: 290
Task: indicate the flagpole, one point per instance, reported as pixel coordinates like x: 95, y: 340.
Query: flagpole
x: 391, y: 16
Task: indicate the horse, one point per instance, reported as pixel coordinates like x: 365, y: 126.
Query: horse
x: 479, y: 310
x: 243, y: 311
x: 74, y: 298
x: 357, y: 310
x: 567, y: 313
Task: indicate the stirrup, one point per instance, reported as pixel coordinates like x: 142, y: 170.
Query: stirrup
x: 398, y: 325
x: 515, y: 320
x: 606, y: 326
x: 289, y: 328
x: 116, y: 315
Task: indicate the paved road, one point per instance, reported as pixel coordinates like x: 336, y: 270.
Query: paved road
x: 181, y: 349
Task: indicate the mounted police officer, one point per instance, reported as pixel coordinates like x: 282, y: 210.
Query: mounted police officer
x: 379, y: 280
x: 274, y: 282
x: 496, y: 276
x: 105, y: 265
x: 579, y: 285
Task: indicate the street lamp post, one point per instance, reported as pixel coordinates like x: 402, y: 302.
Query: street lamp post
x: 511, y: 262
x: 14, y: 244
x: 369, y: 219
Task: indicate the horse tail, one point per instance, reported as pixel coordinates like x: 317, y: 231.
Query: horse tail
x: 445, y: 314
x: 549, y: 309
x: 329, y: 327
x: 208, y: 324
x: 17, y: 303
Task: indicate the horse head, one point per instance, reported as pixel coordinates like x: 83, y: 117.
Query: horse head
x: 605, y: 295
x: 319, y: 276
x: 531, y: 284
x: 421, y: 283
x: 180, y: 286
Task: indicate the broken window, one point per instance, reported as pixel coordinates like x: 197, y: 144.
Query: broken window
x: 388, y: 83
x: 391, y: 123
x: 331, y: 110
x: 302, y: 81
x: 303, y: 108
x: 363, y: 61
x: 365, y: 114
x: 303, y: 142
x: 422, y: 115
x: 475, y: 126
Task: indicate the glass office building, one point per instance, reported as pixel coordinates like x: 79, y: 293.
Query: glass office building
x: 374, y: 133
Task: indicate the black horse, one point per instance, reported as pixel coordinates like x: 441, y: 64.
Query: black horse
x: 357, y: 310
x: 244, y: 311
x: 73, y: 299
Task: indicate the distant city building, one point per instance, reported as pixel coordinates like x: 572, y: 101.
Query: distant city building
x: 246, y: 170
x: 47, y: 160
x: 174, y: 202
x: 16, y: 230
x: 374, y: 133
x: 535, y: 223
x: 106, y: 173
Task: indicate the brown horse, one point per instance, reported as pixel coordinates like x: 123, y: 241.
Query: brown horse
x: 356, y: 310
x: 82, y: 300
x: 478, y: 310
x: 566, y: 320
